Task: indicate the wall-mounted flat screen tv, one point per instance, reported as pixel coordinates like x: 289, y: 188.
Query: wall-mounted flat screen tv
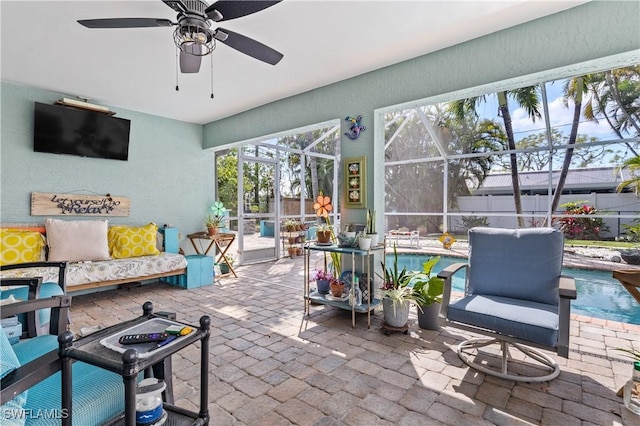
x: 66, y: 130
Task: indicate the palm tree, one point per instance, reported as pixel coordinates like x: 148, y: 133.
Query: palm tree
x: 605, y: 88
x: 574, y: 88
x: 633, y: 164
x: 613, y: 95
x: 527, y: 98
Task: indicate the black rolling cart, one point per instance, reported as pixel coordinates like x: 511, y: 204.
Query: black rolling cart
x: 102, y: 349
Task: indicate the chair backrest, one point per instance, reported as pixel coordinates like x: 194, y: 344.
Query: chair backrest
x: 517, y: 263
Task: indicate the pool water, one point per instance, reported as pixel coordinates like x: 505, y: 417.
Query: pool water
x: 599, y: 294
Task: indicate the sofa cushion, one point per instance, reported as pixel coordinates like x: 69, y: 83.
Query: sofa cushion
x: 77, y: 240
x: 9, y: 362
x: 130, y: 241
x: 20, y: 246
x: 98, y: 394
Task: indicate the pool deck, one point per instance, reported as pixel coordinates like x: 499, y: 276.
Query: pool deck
x: 270, y: 365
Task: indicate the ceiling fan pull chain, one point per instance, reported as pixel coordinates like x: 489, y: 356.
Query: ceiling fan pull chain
x: 211, y: 76
x: 177, y: 53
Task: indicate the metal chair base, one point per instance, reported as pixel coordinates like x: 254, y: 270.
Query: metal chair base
x: 469, y: 347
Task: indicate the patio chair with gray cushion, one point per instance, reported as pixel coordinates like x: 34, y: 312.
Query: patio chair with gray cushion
x: 514, y: 294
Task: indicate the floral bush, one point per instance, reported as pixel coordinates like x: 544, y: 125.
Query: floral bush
x: 584, y: 227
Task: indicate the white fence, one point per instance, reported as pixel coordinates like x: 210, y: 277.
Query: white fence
x: 618, y: 209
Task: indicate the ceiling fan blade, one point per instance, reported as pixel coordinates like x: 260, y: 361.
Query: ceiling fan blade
x: 176, y: 5
x: 125, y: 23
x: 190, y: 58
x: 248, y: 46
x: 223, y: 10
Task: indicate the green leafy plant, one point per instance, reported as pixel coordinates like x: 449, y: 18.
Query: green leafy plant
x: 371, y: 222
x: 395, y: 283
x: 631, y: 352
x: 632, y: 232
x: 472, y: 221
x: 427, y: 289
x: 213, y: 221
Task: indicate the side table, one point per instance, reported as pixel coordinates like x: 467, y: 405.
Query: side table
x: 95, y: 349
x: 221, y: 241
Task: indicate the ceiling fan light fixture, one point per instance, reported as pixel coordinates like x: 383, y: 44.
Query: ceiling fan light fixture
x: 189, y: 34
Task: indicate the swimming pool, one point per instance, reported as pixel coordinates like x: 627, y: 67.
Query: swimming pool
x: 599, y: 294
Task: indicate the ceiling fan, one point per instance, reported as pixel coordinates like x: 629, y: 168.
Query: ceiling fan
x: 193, y: 34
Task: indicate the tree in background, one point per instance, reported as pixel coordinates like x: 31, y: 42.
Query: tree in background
x: 633, y: 164
x: 527, y: 98
x: 534, y: 155
x: 613, y: 96
x: 416, y: 185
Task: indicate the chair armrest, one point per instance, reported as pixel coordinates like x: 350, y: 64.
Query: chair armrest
x: 59, y: 311
x: 34, y: 283
x: 62, y: 268
x: 447, y: 272
x: 447, y: 275
x: 567, y: 290
x: 567, y: 287
x: 28, y: 375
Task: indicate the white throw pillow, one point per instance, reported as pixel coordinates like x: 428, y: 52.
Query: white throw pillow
x: 77, y: 240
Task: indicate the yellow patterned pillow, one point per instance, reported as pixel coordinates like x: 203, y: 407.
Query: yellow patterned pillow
x: 129, y: 241
x: 20, y: 246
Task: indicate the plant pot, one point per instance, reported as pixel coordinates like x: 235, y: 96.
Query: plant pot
x: 299, y: 251
x: 323, y: 286
x: 224, y: 268
x: 324, y: 236
x: 364, y: 243
x: 212, y: 231
x: 374, y: 239
x: 428, y: 317
x: 397, y: 317
x: 291, y: 251
x: 336, y: 288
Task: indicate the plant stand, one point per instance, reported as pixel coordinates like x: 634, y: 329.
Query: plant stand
x: 388, y: 329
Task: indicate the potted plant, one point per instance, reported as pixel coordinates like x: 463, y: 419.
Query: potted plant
x: 336, y: 287
x: 323, y: 279
x: 290, y: 225
x: 229, y: 260
x: 427, y: 291
x: 364, y: 241
x: 397, y: 296
x: 212, y: 222
x: 215, y: 220
x: 324, y: 233
x: 371, y: 227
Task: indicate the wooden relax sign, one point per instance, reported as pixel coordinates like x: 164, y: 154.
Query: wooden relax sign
x: 45, y: 204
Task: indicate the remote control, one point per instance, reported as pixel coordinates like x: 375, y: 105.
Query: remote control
x: 132, y: 339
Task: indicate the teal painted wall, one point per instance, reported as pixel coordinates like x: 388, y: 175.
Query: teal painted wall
x: 168, y: 178
x: 546, y: 48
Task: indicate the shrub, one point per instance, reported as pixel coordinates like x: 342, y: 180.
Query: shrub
x: 469, y: 222
x: 580, y: 228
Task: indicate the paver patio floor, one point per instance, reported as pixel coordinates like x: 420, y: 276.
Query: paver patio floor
x: 270, y: 365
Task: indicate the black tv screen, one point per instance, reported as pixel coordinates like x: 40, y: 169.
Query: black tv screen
x: 66, y: 130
